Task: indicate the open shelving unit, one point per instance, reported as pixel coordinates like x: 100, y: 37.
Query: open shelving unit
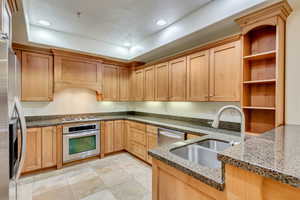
x: 263, y: 67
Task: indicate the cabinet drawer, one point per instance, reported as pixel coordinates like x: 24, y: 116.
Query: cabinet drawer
x: 193, y: 136
x: 138, y: 136
x: 151, y: 129
x: 138, y: 150
x: 138, y: 126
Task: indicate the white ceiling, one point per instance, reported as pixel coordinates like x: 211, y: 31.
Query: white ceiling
x: 105, y: 25
x: 111, y: 21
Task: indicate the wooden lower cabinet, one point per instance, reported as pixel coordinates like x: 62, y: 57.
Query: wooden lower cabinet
x: 108, y: 136
x: 193, y: 135
x: 33, y: 157
x: 139, y: 150
x: 41, y: 149
x: 114, y: 137
x: 151, y: 143
x: 119, y: 139
x: 49, y: 147
x: 241, y: 184
x: 126, y: 135
x: 169, y: 183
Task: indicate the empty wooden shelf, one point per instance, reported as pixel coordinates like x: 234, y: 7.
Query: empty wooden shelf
x: 263, y: 67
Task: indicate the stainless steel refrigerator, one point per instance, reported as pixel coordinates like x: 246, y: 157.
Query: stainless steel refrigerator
x: 12, y: 121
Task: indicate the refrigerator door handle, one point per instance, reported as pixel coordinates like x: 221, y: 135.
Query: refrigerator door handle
x: 23, y: 131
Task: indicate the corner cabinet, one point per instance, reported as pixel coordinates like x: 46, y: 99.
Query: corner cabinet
x: 225, y: 68
x: 139, y: 85
x: 36, y: 77
x: 124, y: 92
x: 114, y: 136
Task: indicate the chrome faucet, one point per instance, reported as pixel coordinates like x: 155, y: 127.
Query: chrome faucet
x: 216, y: 122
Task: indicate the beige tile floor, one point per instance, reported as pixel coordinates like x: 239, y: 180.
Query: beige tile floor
x: 117, y: 177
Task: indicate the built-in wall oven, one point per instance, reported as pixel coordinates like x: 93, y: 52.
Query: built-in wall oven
x: 80, y: 141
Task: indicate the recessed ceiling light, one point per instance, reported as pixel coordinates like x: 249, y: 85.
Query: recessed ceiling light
x: 44, y: 22
x: 161, y: 22
x: 127, y: 44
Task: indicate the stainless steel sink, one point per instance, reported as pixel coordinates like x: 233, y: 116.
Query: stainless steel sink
x: 216, y: 145
x: 203, y: 152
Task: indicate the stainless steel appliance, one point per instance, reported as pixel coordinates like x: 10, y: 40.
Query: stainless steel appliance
x: 81, y: 141
x: 12, y: 121
x: 203, y: 152
x: 168, y: 136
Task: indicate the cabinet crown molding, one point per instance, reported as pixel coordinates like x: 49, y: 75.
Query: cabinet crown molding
x: 281, y: 9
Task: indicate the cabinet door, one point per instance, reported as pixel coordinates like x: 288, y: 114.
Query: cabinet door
x: 126, y: 135
x: 73, y: 71
x: 123, y: 84
x: 109, y: 137
x: 225, y: 67
x: 151, y: 143
x: 177, y: 79
x: 33, y: 157
x: 149, y: 84
x: 139, y: 85
x: 197, y: 76
x: 162, y: 82
x: 48, y: 147
x: 119, y: 135
x: 110, y: 83
x: 37, y: 77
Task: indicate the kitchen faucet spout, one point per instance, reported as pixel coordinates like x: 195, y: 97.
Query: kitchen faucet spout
x: 216, y: 122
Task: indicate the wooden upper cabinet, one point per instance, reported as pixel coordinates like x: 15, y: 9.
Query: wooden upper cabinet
x: 49, y: 147
x: 119, y: 135
x: 37, y: 77
x: 110, y: 82
x: 162, y: 82
x: 197, y: 76
x: 76, y: 72
x: 33, y: 157
x: 149, y: 83
x: 124, y: 93
x: 108, y: 136
x: 225, y: 67
x: 139, y: 85
x: 177, y: 79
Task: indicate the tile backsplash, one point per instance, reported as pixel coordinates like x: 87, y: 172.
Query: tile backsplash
x: 77, y: 101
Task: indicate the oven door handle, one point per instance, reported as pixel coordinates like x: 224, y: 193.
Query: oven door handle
x: 77, y: 135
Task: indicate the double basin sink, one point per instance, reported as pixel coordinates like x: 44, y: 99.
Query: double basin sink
x: 203, y: 152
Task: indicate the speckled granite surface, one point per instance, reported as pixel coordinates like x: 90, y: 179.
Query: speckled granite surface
x: 210, y: 176
x: 274, y: 154
x: 213, y: 177
x: 201, y: 127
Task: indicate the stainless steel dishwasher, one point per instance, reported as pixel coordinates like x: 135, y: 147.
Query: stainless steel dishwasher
x: 168, y: 136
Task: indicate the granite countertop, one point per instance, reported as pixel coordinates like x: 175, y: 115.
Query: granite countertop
x: 186, y: 126
x: 211, y: 176
x: 275, y: 154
